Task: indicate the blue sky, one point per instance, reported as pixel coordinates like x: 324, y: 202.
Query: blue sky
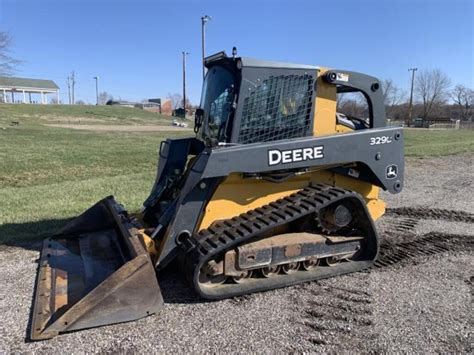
x: 135, y: 46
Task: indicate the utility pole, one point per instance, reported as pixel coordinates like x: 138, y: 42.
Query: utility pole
x: 69, y: 89
x: 410, y: 107
x: 73, y: 83
x: 184, y: 81
x: 204, y: 20
x: 96, y: 90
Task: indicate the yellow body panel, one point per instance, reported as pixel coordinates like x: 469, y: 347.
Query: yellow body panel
x: 149, y: 244
x: 324, y: 107
x: 236, y: 195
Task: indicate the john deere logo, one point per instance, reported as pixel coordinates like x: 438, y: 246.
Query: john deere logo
x: 391, y: 172
x: 276, y: 156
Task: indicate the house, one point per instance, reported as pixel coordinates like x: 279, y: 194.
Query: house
x: 165, y: 105
x: 25, y: 90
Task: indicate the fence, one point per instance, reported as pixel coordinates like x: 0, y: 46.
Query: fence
x: 437, y: 125
x: 453, y: 125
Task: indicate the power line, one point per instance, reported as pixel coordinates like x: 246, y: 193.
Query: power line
x: 410, y: 106
x: 73, y: 84
x: 184, y: 81
x: 96, y: 90
x: 68, y: 81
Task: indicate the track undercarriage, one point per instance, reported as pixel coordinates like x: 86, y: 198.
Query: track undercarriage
x: 318, y: 232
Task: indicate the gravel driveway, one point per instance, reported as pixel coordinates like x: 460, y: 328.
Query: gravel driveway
x: 418, y: 298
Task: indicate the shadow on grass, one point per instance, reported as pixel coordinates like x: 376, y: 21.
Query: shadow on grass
x: 29, y: 235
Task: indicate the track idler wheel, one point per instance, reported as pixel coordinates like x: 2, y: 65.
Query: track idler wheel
x: 212, y: 280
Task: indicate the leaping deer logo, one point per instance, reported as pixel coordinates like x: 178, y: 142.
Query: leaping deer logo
x: 392, y: 172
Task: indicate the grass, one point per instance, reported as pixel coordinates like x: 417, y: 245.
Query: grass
x: 48, y: 175
x: 426, y: 143
x: 89, y: 114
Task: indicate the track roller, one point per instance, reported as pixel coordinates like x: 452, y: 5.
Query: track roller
x: 310, y: 264
x: 290, y: 268
x: 270, y: 271
x: 245, y: 276
x: 332, y: 261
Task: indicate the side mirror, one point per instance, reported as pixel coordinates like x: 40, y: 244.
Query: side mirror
x: 198, y: 117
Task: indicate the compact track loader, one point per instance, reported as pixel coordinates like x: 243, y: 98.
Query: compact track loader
x: 276, y: 188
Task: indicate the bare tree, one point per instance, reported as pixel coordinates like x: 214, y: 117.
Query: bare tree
x: 104, y: 97
x: 463, y: 97
x: 54, y: 100
x: 7, y: 63
x: 176, y: 100
x: 432, y: 89
x: 393, y: 96
x: 352, y: 104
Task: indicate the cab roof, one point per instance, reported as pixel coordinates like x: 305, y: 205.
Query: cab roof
x: 256, y: 63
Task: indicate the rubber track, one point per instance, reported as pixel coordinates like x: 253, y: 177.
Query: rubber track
x: 427, y: 245
x: 432, y: 213
x: 224, y: 235
x: 238, y: 229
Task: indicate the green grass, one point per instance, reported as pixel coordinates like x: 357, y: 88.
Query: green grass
x: 48, y: 175
x: 89, y: 114
x: 426, y: 143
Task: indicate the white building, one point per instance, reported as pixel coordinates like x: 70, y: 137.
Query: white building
x: 25, y: 90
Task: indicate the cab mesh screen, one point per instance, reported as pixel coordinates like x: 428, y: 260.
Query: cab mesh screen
x: 279, y: 108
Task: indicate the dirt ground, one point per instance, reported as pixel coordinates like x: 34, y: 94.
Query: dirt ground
x: 417, y: 298
x: 119, y: 128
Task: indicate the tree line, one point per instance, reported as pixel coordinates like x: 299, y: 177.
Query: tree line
x: 434, y: 98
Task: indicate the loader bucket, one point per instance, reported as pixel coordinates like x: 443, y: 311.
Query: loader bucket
x: 96, y: 272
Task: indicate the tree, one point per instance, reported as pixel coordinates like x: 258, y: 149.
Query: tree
x: 55, y: 101
x: 352, y: 104
x: 177, y: 101
x: 432, y: 89
x: 463, y: 97
x: 7, y: 63
x: 104, y: 97
x: 80, y: 102
x: 392, y: 96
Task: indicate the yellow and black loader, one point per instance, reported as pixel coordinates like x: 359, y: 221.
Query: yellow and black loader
x: 276, y: 188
